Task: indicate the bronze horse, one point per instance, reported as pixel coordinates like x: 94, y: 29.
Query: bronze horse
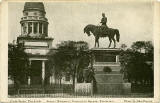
x: 98, y: 32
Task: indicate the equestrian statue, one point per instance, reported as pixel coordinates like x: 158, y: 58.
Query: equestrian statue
x: 102, y: 31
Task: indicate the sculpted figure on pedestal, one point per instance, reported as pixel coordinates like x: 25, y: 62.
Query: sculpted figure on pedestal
x: 102, y: 31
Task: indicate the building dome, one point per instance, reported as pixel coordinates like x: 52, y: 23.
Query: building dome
x: 34, y: 23
x: 34, y: 6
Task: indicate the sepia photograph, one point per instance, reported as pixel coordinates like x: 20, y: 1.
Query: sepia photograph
x: 81, y: 49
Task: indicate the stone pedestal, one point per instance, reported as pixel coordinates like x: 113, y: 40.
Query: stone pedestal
x: 109, y: 83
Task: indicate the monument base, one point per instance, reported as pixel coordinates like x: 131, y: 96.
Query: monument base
x: 109, y: 81
x: 109, y: 78
x: 109, y: 88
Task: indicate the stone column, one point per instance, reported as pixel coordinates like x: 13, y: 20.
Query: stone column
x: 46, y: 30
x: 76, y: 79
x: 26, y: 27
x: 52, y: 79
x: 42, y: 28
x: 43, y: 72
x: 29, y: 78
x: 117, y: 59
x: 32, y: 27
x: 38, y: 27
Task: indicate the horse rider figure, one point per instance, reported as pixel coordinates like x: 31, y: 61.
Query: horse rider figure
x: 104, y: 27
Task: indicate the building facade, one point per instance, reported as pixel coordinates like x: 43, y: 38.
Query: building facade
x: 37, y: 44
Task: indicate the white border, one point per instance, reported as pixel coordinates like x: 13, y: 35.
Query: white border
x: 4, y: 64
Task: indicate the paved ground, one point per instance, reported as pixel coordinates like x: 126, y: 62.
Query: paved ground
x: 63, y: 95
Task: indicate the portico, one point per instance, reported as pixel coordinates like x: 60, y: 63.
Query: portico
x: 41, y: 69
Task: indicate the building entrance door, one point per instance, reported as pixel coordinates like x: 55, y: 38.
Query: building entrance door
x: 36, y: 72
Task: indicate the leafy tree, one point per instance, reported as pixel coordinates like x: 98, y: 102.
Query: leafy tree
x: 149, y: 51
x: 123, y: 46
x: 125, y: 57
x: 18, y: 64
x: 70, y: 57
x: 138, y: 46
x: 134, y: 62
x: 147, y: 46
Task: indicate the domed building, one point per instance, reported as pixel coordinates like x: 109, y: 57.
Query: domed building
x: 34, y: 36
x: 34, y: 23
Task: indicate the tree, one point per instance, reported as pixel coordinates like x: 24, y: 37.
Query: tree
x: 123, y: 46
x: 138, y: 46
x: 18, y: 64
x: 125, y: 58
x: 149, y: 51
x: 147, y: 46
x: 70, y: 57
x: 134, y: 62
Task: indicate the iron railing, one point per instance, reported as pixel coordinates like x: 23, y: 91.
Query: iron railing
x: 67, y: 91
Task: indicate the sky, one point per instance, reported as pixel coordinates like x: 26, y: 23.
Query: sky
x: 67, y: 20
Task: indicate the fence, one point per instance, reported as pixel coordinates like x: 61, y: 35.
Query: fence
x: 138, y: 88
x: 82, y: 90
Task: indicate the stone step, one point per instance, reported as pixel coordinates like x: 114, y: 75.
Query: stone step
x: 114, y: 68
x: 101, y: 72
x: 109, y: 78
